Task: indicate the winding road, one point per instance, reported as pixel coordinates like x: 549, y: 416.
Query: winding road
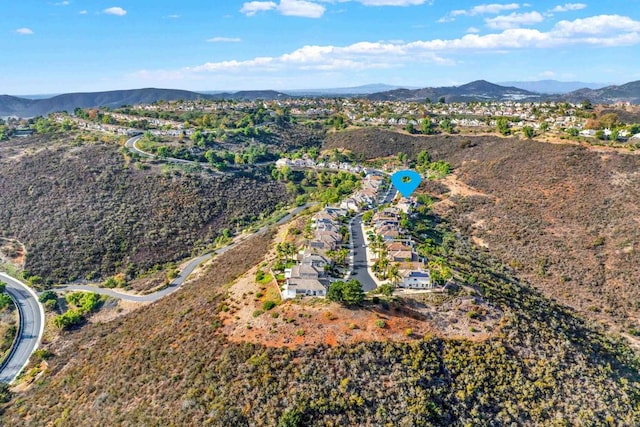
x: 188, y: 269
x: 30, y: 330
x: 31, y: 312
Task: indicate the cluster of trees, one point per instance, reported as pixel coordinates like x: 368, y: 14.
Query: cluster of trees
x: 348, y: 293
x: 437, y: 169
x: 325, y: 186
x: 81, y: 303
x: 427, y: 126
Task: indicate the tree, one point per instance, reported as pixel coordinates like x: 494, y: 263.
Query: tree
x: 586, y: 105
x: 394, y: 274
x: 47, y: 296
x: 573, y: 132
x: 291, y: 418
x: 423, y: 158
x: 446, y: 125
x: 502, y: 125
x: 442, y: 100
x: 609, y: 121
x: 349, y: 293
x: 426, y: 127
x: 614, y: 135
x: 528, y: 131
x: 410, y: 128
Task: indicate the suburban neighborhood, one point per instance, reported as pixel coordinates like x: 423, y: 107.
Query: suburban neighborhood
x: 390, y: 250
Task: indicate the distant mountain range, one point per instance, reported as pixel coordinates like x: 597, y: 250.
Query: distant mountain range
x: 24, y: 107
x: 552, y: 86
x: 348, y: 91
x: 479, y: 90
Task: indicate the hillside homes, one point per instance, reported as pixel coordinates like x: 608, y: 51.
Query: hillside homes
x: 309, y: 276
x: 398, y: 247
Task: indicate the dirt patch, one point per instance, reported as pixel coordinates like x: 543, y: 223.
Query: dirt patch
x: 12, y: 252
x: 317, y: 321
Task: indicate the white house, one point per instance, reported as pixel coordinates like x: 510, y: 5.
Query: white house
x: 417, y: 280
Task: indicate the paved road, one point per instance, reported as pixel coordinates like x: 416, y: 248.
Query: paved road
x: 360, y: 271
x: 31, y: 328
x: 131, y: 145
x: 178, y: 281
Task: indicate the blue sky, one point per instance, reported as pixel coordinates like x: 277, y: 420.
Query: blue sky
x: 91, y: 45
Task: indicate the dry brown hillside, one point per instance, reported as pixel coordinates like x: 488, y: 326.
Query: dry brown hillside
x: 564, y: 217
x: 170, y: 363
x: 82, y: 211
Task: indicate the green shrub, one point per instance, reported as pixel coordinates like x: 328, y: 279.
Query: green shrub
x: 51, y: 305
x: 268, y: 305
x: 69, y: 319
x: 5, y: 301
x: 381, y: 324
x: 47, y: 296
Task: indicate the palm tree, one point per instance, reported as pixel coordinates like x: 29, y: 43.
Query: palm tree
x: 394, y: 274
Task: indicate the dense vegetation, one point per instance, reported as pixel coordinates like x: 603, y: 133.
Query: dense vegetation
x: 168, y: 364
x: 83, y: 212
x: 560, y: 215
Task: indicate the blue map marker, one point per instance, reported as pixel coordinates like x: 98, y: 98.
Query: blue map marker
x: 406, y: 181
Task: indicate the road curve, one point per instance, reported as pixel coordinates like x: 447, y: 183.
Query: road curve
x: 30, y: 331
x: 178, y: 281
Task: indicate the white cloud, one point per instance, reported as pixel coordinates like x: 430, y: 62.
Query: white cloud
x: 174, y: 16
x: 392, y: 2
x: 24, y: 31
x: 301, y: 8
x: 253, y: 7
x: 481, y: 9
x: 486, y: 9
x: 603, y: 30
x: 473, y: 30
x: 547, y: 74
x: 568, y: 7
x: 224, y: 40
x: 312, y: 9
x: 62, y: 3
x: 83, y: 12
x: 514, y: 20
x: 256, y: 63
x: 600, y: 24
x: 118, y: 11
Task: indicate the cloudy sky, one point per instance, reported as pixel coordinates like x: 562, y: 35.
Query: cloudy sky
x: 91, y: 45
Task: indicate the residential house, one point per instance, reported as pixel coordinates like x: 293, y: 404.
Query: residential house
x: 308, y: 278
x: 417, y: 279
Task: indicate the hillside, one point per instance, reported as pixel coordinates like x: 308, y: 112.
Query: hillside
x: 170, y: 364
x: 479, y: 90
x: 22, y: 107
x: 562, y: 216
x: 607, y: 95
x: 83, y: 212
x: 552, y: 86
